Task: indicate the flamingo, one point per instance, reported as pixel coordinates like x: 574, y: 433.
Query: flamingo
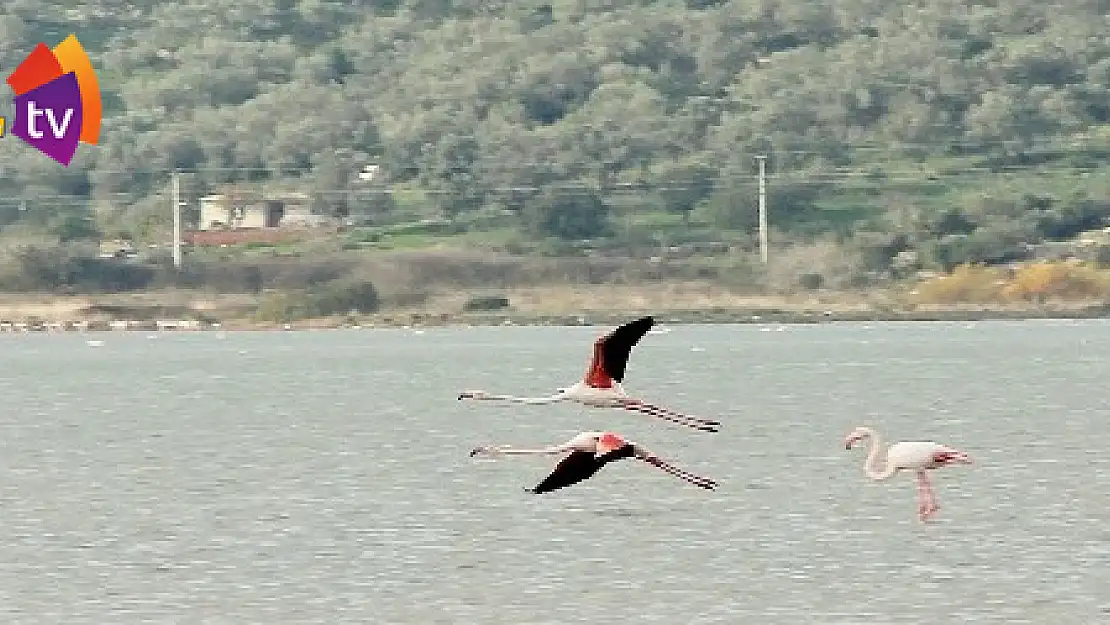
x: 917, y: 456
x: 586, y: 453
x: 602, y: 385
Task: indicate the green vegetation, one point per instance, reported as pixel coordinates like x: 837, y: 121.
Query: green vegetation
x: 898, y: 138
x: 338, y: 297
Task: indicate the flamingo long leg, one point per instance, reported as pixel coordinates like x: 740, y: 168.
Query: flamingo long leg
x: 666, y: 416
x: 679, y: 415
x: 930, y: 496
x: 697, y: 423
x: 920, y: 496
x: 926, y: 498
x: 696, y: 480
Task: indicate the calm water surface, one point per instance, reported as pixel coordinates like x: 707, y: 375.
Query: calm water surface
x: 323, y: 477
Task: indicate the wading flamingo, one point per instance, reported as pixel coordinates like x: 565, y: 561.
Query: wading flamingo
x: 917, y: 456
x: 602, y: 385
x: 587, y: 453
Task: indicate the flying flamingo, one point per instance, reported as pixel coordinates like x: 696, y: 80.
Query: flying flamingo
x: 917, y: 456
x: 587, y: 453
x: 601, y: 387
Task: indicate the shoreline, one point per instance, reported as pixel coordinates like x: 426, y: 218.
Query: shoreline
x: 675, y: 303
x: 714, y: 316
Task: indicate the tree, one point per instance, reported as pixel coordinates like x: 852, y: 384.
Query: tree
x: 570, y: 214
x: 472, y: 107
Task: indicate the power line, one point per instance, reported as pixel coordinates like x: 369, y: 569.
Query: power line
x: 876, y: 178
x: 276, y: 176
x: 859, y: 179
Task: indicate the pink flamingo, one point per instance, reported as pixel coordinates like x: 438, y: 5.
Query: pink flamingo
x: 601, y: 387
x: 917, y: 456
x: 587, y: 453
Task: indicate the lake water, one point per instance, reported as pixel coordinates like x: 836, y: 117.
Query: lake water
x: 323, y: 477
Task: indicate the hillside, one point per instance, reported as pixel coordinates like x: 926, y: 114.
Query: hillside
x: 959, y: 130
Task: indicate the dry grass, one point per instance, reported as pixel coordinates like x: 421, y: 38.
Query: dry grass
x: 73, y: 308
x: 1064, y: 281
x: 967, y: 284
x: 555, y: 299
x: 658, y: 297
x: 42, y: 307
x: 836, y: 265
x: 1033, y: 282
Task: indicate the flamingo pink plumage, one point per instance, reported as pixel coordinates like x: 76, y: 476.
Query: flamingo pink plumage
x: 917, y: 456
x: 602, y: 387
x: 587, y: 453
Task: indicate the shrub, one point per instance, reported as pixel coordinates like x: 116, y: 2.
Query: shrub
x: 486, y: 302
x: 343, y: 296
x: 811, y: 281
x: 1040, y: 281
x: 282, y: 308
x: 338, y: 297
x: 1032, y: 282
x: 970, y: 284
x: 71, y: 268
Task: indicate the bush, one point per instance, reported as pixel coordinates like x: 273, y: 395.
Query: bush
x: 1032, y: 282
x: 811, y: 281
x: 967, y: 284
x: 71, y: 268
x: 1040, y: 281
x: 338, y: 297
x: 343, y: 296
x: 282, y: 308
x: 568, y: 214
x: 486, y: 302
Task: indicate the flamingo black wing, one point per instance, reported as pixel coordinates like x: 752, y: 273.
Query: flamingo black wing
x: 578, y: 466
x: 618, y: 344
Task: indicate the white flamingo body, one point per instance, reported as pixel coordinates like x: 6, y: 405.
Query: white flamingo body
x: 595, y: 397
x: 602, y: 387
x: 917, y: 456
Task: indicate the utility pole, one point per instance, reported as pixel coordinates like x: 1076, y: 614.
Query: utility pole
x: 175, y: 191
x: 762, y: 159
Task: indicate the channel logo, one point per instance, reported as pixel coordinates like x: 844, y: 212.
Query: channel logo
x: 57, y: 100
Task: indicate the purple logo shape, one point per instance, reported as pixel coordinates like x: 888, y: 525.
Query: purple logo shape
x: 48, y: 118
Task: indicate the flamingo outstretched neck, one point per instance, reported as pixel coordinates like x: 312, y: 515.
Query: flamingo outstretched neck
x: 484, y: 396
